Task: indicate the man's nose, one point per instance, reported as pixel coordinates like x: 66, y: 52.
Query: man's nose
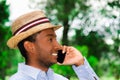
x: 57, y: 46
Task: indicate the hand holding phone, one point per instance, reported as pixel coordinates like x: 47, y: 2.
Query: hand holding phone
x: 61, y: 56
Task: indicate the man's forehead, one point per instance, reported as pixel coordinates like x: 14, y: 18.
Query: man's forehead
x: 49, y: 32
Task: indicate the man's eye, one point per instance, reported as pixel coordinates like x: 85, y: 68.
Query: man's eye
x: 50, y: 39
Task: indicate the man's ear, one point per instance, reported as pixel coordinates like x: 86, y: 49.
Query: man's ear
x: 29, y: 46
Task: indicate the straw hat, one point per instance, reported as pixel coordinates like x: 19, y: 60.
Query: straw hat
x: 27, y: 25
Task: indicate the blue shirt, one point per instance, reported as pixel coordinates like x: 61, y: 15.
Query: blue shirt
x: 26, y: 72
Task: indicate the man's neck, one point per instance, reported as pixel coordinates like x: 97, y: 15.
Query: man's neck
x: 41, y: 67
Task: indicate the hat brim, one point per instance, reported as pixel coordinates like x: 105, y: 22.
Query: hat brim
x: 13, y: 41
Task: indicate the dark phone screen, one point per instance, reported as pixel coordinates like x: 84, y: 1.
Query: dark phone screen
x: 61, y: 56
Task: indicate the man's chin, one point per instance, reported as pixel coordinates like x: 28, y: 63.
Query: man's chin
x: 54, y: 62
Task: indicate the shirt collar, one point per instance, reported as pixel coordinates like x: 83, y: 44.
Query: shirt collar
x: 33, y: 72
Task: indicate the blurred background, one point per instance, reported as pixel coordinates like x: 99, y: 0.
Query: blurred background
x: 92, y: 26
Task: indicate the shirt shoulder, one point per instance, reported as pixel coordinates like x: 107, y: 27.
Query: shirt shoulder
x: 59, y: 77
x: 20, y: 76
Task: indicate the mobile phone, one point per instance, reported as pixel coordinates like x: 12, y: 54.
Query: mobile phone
x: 61, y: 56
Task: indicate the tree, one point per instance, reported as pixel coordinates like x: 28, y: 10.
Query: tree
x: 3, y: 56
x: 93, y: 41
x: 115, y: 48
x: 6, y: 55
x: 65, y: 11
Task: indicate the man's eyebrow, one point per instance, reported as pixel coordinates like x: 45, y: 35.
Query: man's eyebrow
x: 52, y: 35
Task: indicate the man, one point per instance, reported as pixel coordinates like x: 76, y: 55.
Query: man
x: 35, y: 37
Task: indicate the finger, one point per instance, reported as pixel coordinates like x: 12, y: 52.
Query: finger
x: 69, y: 49
x: 64, y: 49
x: 59, y: 63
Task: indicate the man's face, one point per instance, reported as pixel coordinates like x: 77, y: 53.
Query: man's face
x: 46, y: 47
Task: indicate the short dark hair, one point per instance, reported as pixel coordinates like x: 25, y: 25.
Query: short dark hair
x: 21, y: 45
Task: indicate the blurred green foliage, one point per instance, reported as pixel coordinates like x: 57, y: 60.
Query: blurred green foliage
x: 8, y: 57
